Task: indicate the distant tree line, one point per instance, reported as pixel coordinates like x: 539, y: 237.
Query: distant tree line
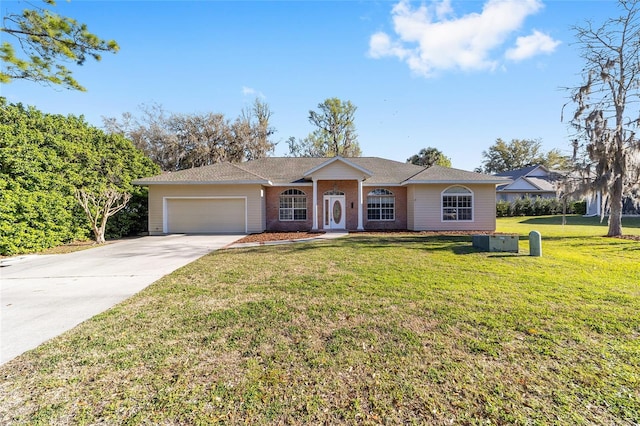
x: 182, y: 141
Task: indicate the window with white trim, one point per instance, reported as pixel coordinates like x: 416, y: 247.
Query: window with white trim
x: 381, y: 205
x: 293, y: 205
x: 457, y: 204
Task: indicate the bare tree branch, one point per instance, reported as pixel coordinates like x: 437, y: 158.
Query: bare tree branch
x: 99, y: 208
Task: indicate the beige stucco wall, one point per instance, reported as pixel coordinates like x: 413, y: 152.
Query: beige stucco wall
x: 338, y: 171
x: 424, y: 211
x: 254, y: 195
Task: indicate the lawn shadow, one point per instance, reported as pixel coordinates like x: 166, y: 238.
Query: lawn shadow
x: 298, y: 246
x: 457, y: 244
x: 507, y: 254
x: 627, y: 221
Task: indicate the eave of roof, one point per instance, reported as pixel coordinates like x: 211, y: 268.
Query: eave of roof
x: 146, y: 182
x: 453, y: 182
x: 516, y: 191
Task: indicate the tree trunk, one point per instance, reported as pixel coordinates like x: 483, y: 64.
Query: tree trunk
x: 98, y: 233
x: 615, y: 216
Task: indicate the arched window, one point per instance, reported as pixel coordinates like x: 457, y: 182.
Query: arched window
x: 381, y: 205
x: 293, y: 205
x: 457, y: 204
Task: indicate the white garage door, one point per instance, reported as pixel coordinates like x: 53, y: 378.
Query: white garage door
x: 206, y: 215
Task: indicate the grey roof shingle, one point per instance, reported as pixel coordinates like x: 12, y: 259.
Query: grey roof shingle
x: 516, y: 173
x: 439, y: 174
x: 542, y: 183
x: 288, y: 170
x: 215, y: 173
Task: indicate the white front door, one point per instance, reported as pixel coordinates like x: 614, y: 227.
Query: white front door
x: 334, y: 213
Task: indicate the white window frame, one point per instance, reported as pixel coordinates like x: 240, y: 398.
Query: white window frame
x: 295, y: 200
x: 378, y: 195
x: 451, y: 213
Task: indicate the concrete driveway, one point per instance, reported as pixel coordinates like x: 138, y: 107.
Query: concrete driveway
x: 42, y: 296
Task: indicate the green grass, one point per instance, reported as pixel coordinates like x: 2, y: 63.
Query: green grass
x: 576, y: 226
x: 394, y: 329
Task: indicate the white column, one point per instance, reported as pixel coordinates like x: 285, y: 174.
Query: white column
x: 315, y: 205
x: 360, y: 206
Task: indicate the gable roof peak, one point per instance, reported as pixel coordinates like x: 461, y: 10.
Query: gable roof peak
x: 337, y: 158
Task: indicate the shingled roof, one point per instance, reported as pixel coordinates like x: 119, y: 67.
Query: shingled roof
x: 439, y: 174
x: 290, y: 170
x: 226, y: 173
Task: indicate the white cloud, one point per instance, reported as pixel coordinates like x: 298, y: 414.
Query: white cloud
x: 532, y: 45
x: 248, y: 91
x: 380, y: 45
x: 443, y: 9
x: 429, y: 38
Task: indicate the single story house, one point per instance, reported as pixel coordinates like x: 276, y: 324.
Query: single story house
x: 302, y: 194
x: 528, y: 182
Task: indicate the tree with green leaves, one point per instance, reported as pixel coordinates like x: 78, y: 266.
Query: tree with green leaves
x: 606, y: 117
x: 47, y: 41
x: 45, y: 160
x: 428, y: 157
x: 335, y: 133
x: 519, y: 153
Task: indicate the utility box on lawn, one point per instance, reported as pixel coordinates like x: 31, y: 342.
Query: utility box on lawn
x: 504, y: 243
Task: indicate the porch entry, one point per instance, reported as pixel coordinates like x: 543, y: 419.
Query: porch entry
x: 334, y: 211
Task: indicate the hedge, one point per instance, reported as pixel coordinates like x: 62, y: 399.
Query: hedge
x: 538, y: 207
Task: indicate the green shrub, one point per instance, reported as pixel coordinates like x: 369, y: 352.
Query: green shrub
x: 43, y: 159
x: 579, y: 207
x: 538, y: 207
x: 132, y: 220
x: 503, y: 209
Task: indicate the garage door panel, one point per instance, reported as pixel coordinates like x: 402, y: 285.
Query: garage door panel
x: 198, y: 215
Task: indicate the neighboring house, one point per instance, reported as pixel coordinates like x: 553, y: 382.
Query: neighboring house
x: 538, y: 181
x: 528, y: 182
x: 594, y: 206
x: 301, y: 194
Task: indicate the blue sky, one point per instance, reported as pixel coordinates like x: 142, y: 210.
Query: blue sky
x: 452, y: 75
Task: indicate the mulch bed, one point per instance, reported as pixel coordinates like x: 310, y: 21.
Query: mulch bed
x: 278, y: 236
x: 292, y: 236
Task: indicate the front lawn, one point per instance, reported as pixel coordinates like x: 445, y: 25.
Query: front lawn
x: 367, y: 329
